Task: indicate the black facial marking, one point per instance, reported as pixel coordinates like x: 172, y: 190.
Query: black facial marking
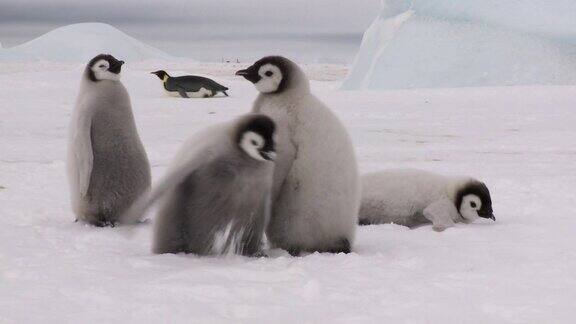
x: 114, y: 65
x: 251, y: 73
x: 479, y: 189
x: 160, y: 74
x: 261, y: 125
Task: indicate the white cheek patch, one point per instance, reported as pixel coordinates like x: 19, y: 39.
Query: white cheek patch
x: 466, y: 209
x: 251, y: 143
x: 106, y: 75
x: 101, y: 72
x: 270, y: 83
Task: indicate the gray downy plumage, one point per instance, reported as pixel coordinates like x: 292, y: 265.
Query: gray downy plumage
x: 216, y: 197
x: 107, y: 165
x: 411, y: 198
x: 191, y: 85
x: 316, y: 183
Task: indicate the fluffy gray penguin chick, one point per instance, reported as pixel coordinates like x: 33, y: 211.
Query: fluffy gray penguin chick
x: 316, y: 192
x: 107, y: 166
x: 415, y: 197
x: 215, y: 198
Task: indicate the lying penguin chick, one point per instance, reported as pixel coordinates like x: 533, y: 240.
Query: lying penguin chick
x: 216, y: 197
x: 316, y: 182
x: 107, y: 165
x: 190, y: 86
x: 414, y: 197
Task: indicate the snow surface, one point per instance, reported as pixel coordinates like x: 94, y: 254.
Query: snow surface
x: 80, y: 43
x: 520, y: 269
x: 442, y: 43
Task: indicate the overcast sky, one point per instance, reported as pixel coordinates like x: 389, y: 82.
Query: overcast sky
x: 329, y: 29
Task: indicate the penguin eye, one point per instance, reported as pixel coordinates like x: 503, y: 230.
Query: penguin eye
x: 472, y: 204
x: 269, y: 73
x: 254, y: 142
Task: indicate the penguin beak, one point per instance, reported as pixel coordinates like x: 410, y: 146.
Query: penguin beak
x: 487, y: 214
x: 268, y: 155
x: 242, y: 72
x: 118, y: 64
x: 116, y: 67
x: 249, y: 74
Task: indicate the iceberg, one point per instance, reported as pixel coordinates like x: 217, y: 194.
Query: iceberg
x: 466, y: 43
x: 81, y: 42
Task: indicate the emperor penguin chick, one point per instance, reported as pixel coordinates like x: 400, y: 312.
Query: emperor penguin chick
x: 216, y: 197
x: 107, y: 166
x: 415, y: 197
x: 316, y: 187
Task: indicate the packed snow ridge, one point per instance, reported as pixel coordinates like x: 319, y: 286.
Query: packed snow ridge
x: 79, y: 43
x: 441, y: 43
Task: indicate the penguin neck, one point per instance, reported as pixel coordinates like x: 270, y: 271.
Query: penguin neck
x: 165, y: 78
x: 455, y: 185
x: 298, y: 84
x: 297, y: 89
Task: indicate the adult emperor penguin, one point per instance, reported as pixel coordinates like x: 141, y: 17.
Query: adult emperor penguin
x: 414, y: 197
x: 107, y: 165
x: 216, y: 197
x: 190, y: 86
x: 316, y: 184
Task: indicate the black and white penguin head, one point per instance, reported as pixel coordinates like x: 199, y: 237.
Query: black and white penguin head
x: 104, y: 67
x: 270, y: 74
x: 161, y: 74
x: 473, y: 201
x: 255, y: 136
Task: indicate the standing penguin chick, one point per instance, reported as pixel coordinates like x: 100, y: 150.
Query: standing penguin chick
x: 414, y: 197
x: 316, y: 184
x: 216, y: 197
x: 190, y: 86
x: 107, y: 166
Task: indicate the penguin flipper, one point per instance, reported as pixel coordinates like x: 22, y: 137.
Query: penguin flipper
x: 174, y: 178
x: 82, y: 154
x: 182, y: 93
x: 441, y: 213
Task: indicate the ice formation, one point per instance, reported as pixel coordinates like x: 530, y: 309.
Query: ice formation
x: 442, y: 43
x: 81, y: 42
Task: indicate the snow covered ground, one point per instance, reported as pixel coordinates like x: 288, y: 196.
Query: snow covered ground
x: 520, y: 269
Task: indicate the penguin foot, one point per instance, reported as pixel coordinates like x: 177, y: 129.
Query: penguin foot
x: 363, y: 222
x: 104, y: 223
x: 259, y: 254
x: 294, y: 251
x: 343, y: 247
